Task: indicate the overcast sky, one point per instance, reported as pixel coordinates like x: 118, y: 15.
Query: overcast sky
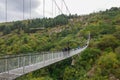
x: 15, y: 8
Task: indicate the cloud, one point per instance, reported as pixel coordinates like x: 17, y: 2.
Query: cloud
x: 15, y: 9
x: 89, y: 6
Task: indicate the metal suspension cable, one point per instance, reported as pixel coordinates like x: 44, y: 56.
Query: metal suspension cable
x: 6, y: 10
x: 6, y: 62
x: 58, y: 7
x: 61, y: 5
x: 55, y: 11
x: 30, y: 9
x: 43, y: 8
x: 66, y: 6
x: 43, y: 12
x: 23, y: 10
x: 52, y: 8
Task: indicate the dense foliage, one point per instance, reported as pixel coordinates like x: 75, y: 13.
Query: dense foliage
x: 30, y: 26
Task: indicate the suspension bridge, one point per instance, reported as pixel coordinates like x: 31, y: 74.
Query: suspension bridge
x: 14, y: 66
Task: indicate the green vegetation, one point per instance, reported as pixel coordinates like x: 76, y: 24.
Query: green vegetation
x: 101, y: 61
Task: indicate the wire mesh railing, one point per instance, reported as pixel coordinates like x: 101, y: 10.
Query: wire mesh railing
x: 12, y: 62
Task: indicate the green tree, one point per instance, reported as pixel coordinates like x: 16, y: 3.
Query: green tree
x: 108, y: 41
x: 107, y: 64
x: 6, y: 30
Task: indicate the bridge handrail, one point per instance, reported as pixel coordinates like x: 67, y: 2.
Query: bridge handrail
x: 8, y: 56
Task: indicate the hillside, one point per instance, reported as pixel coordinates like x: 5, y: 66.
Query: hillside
x: 101, y: 61
x: 21, y: 37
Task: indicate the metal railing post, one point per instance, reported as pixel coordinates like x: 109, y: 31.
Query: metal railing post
x: 43, y: 58
x: 35, y: 58
x: 18, y: 61
x: 52, y: 55
x: 49, y: 55
x: 46, y: 56
x: 30, y: 59
x: 60, y: 54
x: 6, y: 65
x: 57, y: 54
x: 24, y: 64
